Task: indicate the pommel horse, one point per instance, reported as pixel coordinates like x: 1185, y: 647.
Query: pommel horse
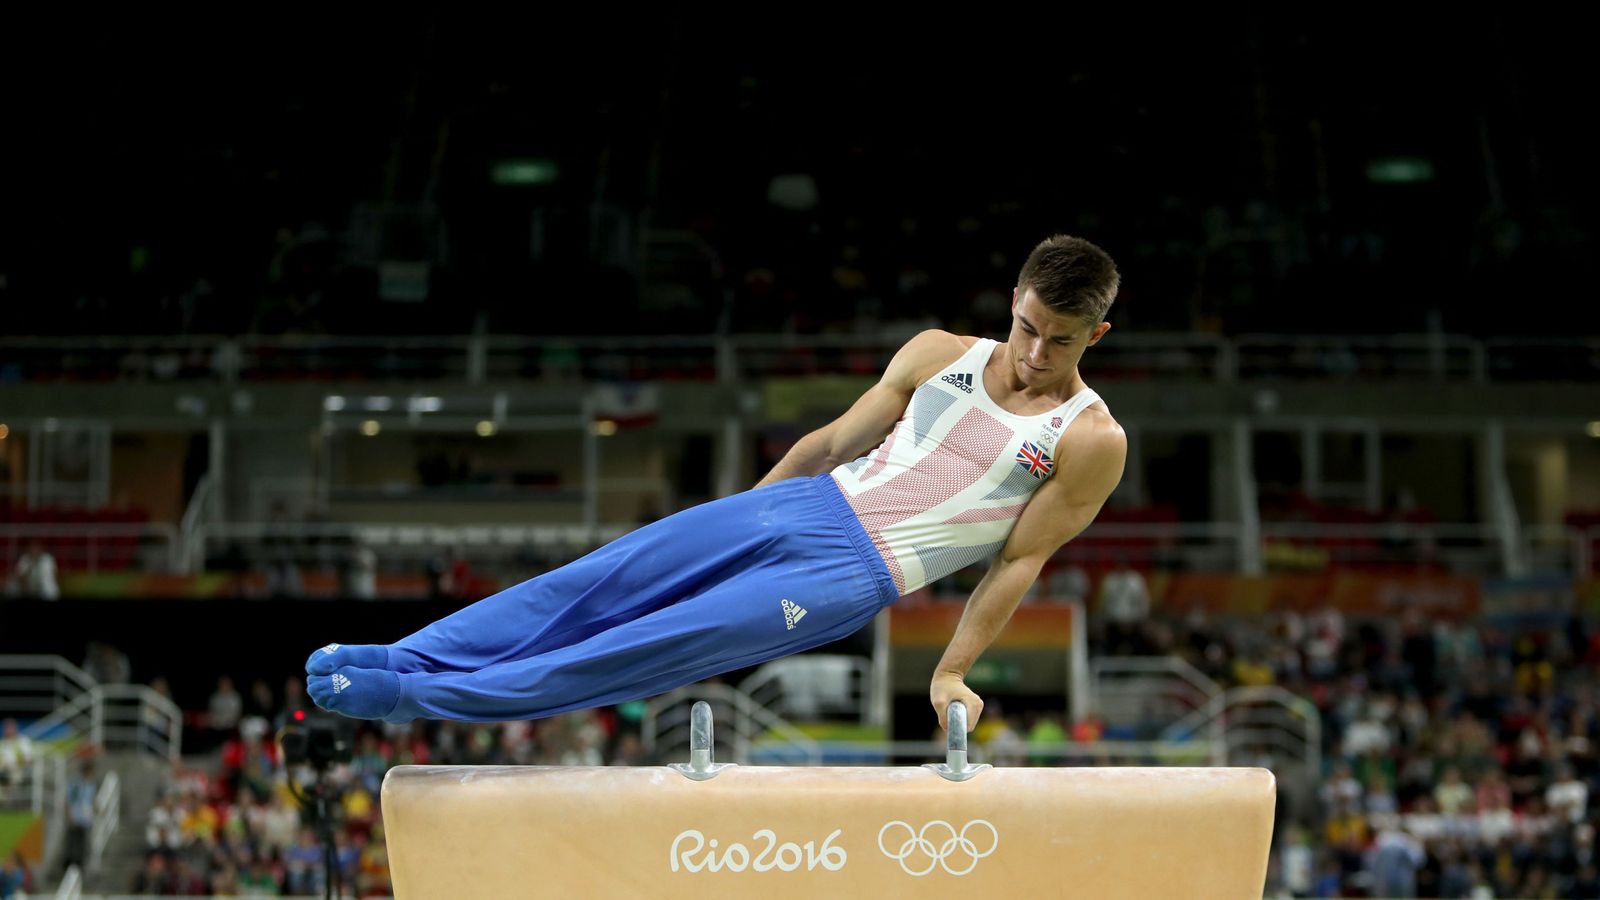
x: 709, y: 829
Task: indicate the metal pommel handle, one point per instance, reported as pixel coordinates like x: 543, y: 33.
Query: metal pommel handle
x: 701, y: 746
x: 955, y: 766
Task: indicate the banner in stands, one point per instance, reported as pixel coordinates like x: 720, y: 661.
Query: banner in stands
x: 1357, y: 593
x: 1588, y: 594
x: 211, y: 585
x: 1033, y: 627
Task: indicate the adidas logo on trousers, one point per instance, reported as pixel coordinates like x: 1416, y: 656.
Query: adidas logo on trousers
x: 792, y: 613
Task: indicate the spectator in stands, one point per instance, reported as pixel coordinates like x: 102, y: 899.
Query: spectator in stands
x: 261, y: 702
x: 1125, y: 604
x: 1568, y: 797
x: 223, y: 711
x: 34, y: 577
x: 1395, y: 860
x: 164, y: 830
x: 186, y: 882
x: 154, y: 725
x: 361, y: 573
x: 106, y: 664
x: 16, y: 879
x: 81, y: 791
x: 226, y: 882
x: 303, y: 865
x: 259, y: 881
x: 1067, y: 584
x: 16, y: 758
x: 1453, y: 795
x: 250, y: 760
x: 630, y: 751
x: 1298, y: 864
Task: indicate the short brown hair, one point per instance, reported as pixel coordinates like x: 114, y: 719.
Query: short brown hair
x: 1071, y: 276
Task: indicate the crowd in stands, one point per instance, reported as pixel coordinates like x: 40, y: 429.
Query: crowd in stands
x: 239, y: 826
x: 1461, y: 754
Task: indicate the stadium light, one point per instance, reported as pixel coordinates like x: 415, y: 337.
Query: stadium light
x: 486, y: 429
x: 524, y: 171
x: 333, y: 404
x: 1400, y: 170
x: 370, y: 428
x: 1594, y: 430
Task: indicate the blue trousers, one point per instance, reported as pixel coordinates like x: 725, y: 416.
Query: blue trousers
x: 724, y: 585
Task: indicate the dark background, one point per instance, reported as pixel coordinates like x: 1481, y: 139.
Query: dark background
x: 247, y: 172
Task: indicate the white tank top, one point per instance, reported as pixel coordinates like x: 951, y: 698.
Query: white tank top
x: 945, y: 487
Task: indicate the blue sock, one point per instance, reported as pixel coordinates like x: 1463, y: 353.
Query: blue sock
x: 361, y: 656
x: 357, y: 693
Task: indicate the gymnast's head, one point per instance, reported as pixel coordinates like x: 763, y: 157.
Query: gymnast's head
x: 1059, y: 305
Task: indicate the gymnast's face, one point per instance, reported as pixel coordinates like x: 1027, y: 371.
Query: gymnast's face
x: 1045, y: 346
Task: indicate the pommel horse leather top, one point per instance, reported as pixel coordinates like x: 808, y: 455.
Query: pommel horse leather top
x: 776, y: 831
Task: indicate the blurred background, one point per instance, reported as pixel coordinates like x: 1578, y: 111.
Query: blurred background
x: 316, y: 327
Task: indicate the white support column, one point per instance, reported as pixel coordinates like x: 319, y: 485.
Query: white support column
x: 879, y: 711
x: 730, y: 471
x: 217, y: 453
x: 98, y: 490
x: 591, y: 467
x: 1079, y: 699
x: 1373, y: 470
x: 1133, y: 473
x: 1311, y: 460
x: 36, y: 441
x: 1249, y: 507
x: 1502, y: 505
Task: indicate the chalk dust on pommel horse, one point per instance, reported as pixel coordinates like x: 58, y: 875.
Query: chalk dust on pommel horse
x: 711, y: 830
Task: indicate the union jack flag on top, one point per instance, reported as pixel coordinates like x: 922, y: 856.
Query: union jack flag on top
x: 1033, y: 458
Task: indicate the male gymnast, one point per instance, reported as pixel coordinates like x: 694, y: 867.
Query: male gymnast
x: 981, y: 449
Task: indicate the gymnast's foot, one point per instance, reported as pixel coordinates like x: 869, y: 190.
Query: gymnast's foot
x: 362, y: 656
x: 357, y: 693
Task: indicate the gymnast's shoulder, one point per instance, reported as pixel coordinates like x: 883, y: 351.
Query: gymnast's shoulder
x: 929, y: 351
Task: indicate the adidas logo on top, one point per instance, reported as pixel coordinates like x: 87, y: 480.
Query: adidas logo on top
x: 962, y: 381
x: 340, y: 683
x: 792, y: 613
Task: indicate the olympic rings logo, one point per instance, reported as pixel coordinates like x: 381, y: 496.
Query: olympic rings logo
x: 918, y: 844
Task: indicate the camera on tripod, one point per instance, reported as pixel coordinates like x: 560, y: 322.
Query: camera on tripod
x: 320, y: 740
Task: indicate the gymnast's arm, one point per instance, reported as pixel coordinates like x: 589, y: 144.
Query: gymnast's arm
x: 1062, y: 507
x: 866, y: 423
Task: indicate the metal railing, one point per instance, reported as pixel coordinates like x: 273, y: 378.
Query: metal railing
x: 77, y: 708
x: 1094, y: 753
x: 1262, y: 725
x: 1457, y: 548
x: 474, y: 359
x: 330, y: 545
x: 36, y: 685
x: 812, y: 685
x: 135, y: 717
x: 71, y: 886
x: 48, y: 799
x: 1146, y: 694
x: 666, y: 726
x: 107, y: 816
